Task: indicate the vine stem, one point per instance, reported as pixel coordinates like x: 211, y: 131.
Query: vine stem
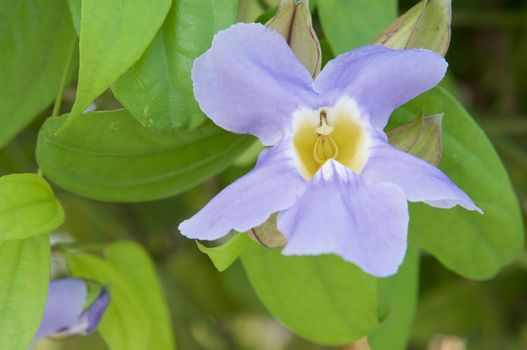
x: 65, y: 75
x: 62, y: 87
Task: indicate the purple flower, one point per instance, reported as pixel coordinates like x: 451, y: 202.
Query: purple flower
x: 65, y: 312
x: 338, y: 186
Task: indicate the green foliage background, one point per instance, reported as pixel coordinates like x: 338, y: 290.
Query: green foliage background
x: 216, y: 311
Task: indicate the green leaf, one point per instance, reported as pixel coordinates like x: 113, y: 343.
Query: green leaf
x: 133, y: 261
x: 113, y: 35
x: 293, y: 22
x: 471, y: 244
x: 421, y: 137
x: 75, y: 10
x: 349, y: 24
x: 24, y: 279
x: 398, y: 300
x: 36, y: 42
x: 321, y: 298
x: 109, y: 156
x: 27, y: 207
x: 138, y: 317
x: 126, y: 323
x: 157, y: 90
x: 224, y: 255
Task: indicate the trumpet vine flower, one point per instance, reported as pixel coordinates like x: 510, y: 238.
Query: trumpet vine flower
x: 338, y: 185
x: 66, y: 313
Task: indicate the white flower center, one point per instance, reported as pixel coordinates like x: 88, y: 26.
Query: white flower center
x: 336, y: 132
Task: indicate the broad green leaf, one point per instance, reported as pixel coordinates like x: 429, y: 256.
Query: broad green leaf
x: 109, y: 156
x: 133, y: 261
x: 471, y: 244
x: 24, y: 279
x: 426, y: 25
x: 224, y: 255
x: 421, y: 137
x: 27, y: 207
x: 157, y: 90
x: 398, y: 300
x: 126, y: 323
x: 349, y: 24
x: 293, y: 22
x: 321, y: 298
x: 36, y: 42
x: 113, y: 35
x: 75, y: 10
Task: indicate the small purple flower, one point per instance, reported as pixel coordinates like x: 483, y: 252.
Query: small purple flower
x: 338, y: 185
x: 65, y: 312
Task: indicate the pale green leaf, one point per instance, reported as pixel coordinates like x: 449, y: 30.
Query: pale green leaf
x: 125, y: 324
x: 36, y: 42
x: 24, y: 279
x: 113, y: 36
x: 321, y: 298
x: 471, y: 244
x: 157, y: 90
x: 133, y: 261
x: 110, y: 156
x: 349, y: 24
x: 27, y: 207
x: 224, y: 255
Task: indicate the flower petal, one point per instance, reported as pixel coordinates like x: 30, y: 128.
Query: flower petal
x: 380, y: 79
x: 273, y: 185
x: 250, y: 81
x: 90, y: 318
x: 420, y: 181
x: 339, y: 213
x: 66, y: 298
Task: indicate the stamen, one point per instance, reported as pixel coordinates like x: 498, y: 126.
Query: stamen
x: 325, y: 148
x: 324, y: 128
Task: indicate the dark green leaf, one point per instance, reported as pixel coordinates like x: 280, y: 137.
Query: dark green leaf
x: 352, y: 23
x: 157, y: 90
x: 27, y: 207
x: 36, y: 42
x: 110, y: 156
x: 321, y: 298
x: 473, y: 245
x: 24, y: 279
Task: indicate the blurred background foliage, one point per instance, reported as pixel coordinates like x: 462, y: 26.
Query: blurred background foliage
x: 216, y: 311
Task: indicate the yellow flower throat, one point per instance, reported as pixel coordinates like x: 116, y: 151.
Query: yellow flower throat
x: 330, y: 133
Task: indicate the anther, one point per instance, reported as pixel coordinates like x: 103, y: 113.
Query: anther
x: 324, y: 128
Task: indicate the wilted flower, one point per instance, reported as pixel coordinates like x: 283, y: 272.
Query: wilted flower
x: 66, y: 313
x: 338, y: 185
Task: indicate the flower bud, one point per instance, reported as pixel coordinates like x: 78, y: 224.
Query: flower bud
x: 293, y: 21
x: 426, y: 25
x: 267, y: 234
x: 421, y: 137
